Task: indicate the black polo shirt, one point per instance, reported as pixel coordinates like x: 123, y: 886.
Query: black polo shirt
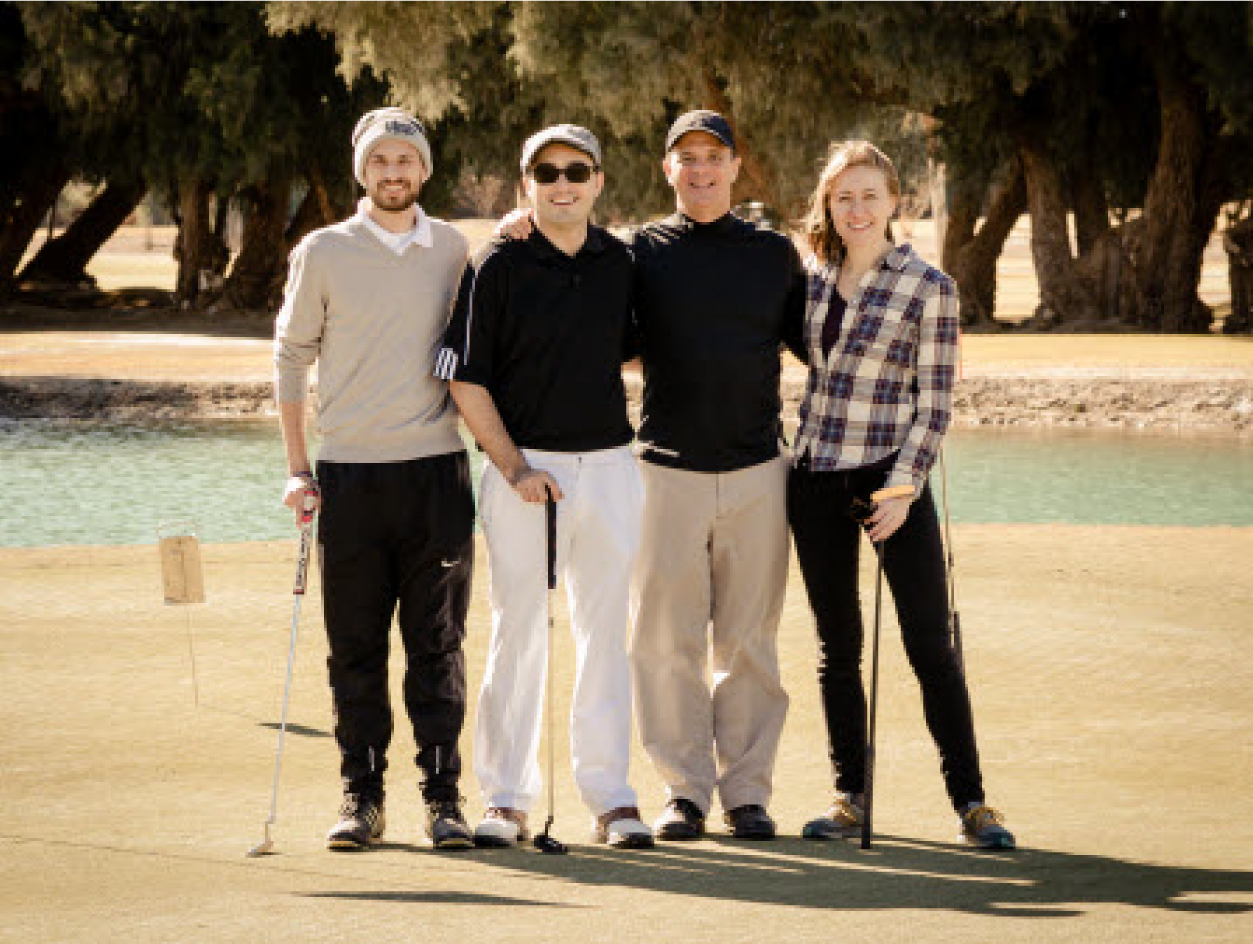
x: 713, y: 302
x: 546, y: 334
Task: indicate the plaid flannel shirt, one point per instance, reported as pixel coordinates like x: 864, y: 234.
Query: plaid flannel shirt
x: 887, y: 385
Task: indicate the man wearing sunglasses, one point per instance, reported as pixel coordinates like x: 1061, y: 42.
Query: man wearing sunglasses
x: 714, y: 298
x: 534, y: 351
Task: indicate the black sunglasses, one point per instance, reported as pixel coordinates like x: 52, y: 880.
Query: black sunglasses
x: 576, y: 173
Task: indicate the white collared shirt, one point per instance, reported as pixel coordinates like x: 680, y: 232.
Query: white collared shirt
x: 398, y: 242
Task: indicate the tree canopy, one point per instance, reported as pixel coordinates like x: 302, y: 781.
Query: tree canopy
x: 1121, y: 129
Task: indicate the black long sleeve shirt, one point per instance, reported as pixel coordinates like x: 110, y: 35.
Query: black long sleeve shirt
x: 713, y: 302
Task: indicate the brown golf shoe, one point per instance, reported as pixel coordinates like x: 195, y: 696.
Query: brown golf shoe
x: 501, y: 826
x: 622, y: 828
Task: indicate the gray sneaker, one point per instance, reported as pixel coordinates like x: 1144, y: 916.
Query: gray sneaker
x: 842, y: 820
x: 984, y: 827
x: 446, y: 826
x: 361, y: 822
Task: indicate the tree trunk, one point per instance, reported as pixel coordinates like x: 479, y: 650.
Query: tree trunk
x: 314, y: 211
x: 1091, y: 211
x: 1177, y: 205
x: 201, y: 254
x: 64, y: 259
x: 756, y: 180
x: 969, y: 256
x: 1238, y: 241
x: 1067, y: 292
x: 20, y: 221
x: 256, y: 278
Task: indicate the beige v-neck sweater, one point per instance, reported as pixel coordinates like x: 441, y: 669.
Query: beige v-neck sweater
x: 373, y: 321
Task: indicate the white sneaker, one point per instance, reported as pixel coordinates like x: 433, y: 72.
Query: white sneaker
x: 501, y: 826
x: 622, y: 828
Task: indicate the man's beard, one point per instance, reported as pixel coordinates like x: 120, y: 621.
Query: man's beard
x: 393, y: 204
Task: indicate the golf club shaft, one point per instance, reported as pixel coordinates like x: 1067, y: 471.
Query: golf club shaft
x: 955, y: 620
x: 550, y: 510
x: 868, y: 787
x: 298, y: 592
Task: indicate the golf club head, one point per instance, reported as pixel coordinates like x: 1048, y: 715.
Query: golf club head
x: 548, y: 845
x: 264, y: 847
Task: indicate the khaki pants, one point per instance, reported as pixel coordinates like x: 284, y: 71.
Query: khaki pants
x: 709, y: 584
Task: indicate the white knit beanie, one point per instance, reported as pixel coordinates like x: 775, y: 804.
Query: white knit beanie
x: 380, y: 125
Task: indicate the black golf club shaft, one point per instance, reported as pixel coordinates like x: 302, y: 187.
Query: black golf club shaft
x: 545, y: 842
x: 868, y: 802
x: 880, y: 547
x: 954, y: 617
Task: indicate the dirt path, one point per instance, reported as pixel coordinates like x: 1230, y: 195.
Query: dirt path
x: 1202, y: 384
x: 1111, y: 669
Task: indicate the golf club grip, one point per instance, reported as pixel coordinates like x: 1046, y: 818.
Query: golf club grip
x: 308, y: 510
x: 550, y: 508
x: 896, y: 491
x: 302, y: 560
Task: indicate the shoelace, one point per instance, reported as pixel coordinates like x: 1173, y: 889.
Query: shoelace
x: 982, y: 817
x: 446, y: 809
x: 844, y: 810
x: 358, y: 805
x: 499, y: 812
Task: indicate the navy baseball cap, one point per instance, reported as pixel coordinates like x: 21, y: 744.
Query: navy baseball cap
x: 709, y: 122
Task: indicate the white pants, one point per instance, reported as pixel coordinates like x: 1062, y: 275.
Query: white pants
x: 598, y: 531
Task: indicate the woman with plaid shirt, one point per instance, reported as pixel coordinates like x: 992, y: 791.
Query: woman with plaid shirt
x: 882, y: 335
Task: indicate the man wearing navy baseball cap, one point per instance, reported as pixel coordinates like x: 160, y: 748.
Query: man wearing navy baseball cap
x: 716, y: 298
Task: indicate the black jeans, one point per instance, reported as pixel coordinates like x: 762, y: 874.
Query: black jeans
x: 397, y: 538
x: 828, y: 541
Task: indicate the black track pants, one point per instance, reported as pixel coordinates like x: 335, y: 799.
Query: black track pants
x: 397, y: 538
x: 828, y: 541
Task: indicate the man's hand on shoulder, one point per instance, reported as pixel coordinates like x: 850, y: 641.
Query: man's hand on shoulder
x: 516, y: 224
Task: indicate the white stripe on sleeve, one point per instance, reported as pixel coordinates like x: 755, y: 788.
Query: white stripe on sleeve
x: 446, y: 364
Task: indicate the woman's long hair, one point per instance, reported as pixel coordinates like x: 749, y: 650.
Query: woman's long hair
x: 818, y: 227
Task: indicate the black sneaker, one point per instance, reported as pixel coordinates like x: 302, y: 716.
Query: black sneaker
x: 750, y: 822
x: 361, y: 822
x: 446, y: 826
x: 681, y: 819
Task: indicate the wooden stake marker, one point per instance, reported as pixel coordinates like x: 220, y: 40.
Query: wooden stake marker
x: 182, y: 577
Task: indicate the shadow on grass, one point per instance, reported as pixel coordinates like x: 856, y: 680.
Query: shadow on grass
x: 439, y: 898
x: 898, y: 873
x: 302, y: 730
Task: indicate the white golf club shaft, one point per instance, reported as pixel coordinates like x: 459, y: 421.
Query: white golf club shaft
x: 298, y: 592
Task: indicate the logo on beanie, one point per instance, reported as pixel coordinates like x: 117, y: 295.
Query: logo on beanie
x: 402, y: 127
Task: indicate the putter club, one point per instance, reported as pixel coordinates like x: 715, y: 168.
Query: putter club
x: 544, y: 842
x: 266, y: 846
x: 954, y: 617
x: 880, y: 549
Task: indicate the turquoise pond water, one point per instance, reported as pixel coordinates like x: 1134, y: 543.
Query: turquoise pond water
x: 80, y: 482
